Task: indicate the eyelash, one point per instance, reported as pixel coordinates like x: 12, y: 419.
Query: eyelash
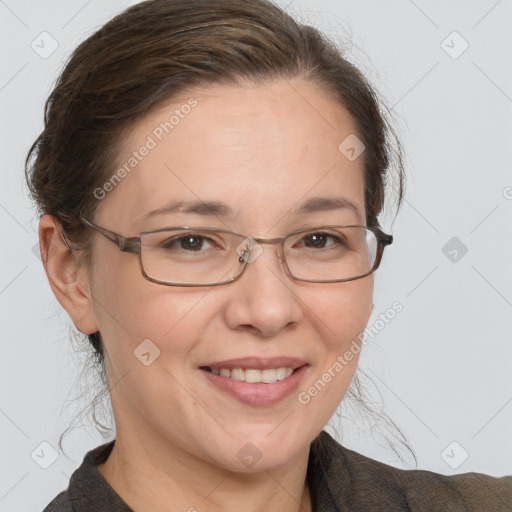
x: 178, y: 240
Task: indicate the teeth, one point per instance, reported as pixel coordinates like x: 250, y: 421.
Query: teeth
x: 281, y: 373
x: 267, y: 376
x: 237, y: 374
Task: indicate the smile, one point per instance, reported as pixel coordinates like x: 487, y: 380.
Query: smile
x: 255, y: 387
x: 253, y: 375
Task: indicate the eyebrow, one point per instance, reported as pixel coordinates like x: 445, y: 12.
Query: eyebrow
x: 321, y: 204
x: 207, y: 208
x: 219, y: 209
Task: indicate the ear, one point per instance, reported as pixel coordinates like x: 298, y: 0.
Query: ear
x: 69, y: 282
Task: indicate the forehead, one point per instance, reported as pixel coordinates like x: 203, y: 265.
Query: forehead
x: 261, y: 149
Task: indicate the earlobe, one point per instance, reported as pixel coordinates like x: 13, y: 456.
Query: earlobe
x: 68, y: 281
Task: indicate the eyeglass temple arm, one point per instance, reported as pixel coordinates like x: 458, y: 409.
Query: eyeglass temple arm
x: 125, y: 244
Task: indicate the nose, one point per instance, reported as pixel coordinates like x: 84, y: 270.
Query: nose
x: 263, y: 299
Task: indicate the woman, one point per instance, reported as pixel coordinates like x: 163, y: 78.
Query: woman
x: 210, y: 177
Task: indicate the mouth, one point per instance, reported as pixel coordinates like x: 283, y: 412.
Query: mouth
x: 253, y: 375
x: 256, y: 382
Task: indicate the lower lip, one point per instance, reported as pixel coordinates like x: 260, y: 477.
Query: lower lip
x: 257, y: 394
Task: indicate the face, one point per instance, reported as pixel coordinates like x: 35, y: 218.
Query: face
x: 262, y: 151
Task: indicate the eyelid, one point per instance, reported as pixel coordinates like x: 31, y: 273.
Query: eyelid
x: 206, y: 238
x: 319, y: 229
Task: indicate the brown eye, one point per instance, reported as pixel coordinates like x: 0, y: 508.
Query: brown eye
x: 189, y: 242
x: 316, y: 240
x: 319, y: 240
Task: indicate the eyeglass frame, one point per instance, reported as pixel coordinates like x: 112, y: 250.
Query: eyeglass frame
x: 132, y: 244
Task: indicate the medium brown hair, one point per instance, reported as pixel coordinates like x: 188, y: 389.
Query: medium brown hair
x: 159, y: 48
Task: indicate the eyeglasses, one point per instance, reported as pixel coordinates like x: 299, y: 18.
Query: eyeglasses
x: 205, y: 256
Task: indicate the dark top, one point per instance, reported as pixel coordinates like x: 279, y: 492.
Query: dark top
x: 339, y: 479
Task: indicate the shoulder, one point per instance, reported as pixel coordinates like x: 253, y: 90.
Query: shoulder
x: 360, y: 483
x: 88, y: 490
x: 61, y: 503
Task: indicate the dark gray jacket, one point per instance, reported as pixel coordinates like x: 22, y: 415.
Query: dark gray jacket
x: 339, y: 479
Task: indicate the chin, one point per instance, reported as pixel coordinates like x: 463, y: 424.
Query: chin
x: 255, y: 450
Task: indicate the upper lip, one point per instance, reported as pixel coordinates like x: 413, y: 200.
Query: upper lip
x: 257, y: 363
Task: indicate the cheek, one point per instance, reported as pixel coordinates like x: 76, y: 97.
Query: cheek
x: 341, y: 316
x: 343, y: 311
x: 130, y: 309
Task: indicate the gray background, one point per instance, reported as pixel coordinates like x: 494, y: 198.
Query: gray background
x: 443, y: 365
